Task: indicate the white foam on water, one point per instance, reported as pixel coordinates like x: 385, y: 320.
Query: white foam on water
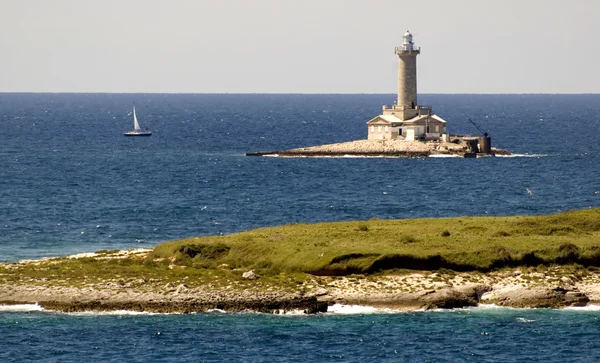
x: 571, y: 308
x: 338, y: 309
x: 444, y: 156
x: 584, y: 308
x: 216, y: 311
x: 479, y: 308
x: 345, y: 156
x: 484, y: 307
x: 491, y: 307
x: 522, y: 156
x: 289, y: 312
x: 359, y: 309
x: 117, y: 313
x: 21, y: 308
x: 488, y: 307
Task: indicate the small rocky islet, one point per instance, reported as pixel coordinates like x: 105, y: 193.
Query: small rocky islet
x: 386, y: 148
x: 526, y: 287
x: 404, y: 129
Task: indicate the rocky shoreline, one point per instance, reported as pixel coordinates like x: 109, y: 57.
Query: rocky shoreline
x: 552, y: 288
x: 185, y: 305
x: 380, y: 148
x: 541, y: 287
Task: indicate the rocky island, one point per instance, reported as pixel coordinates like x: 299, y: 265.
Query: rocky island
x: 458, y: 147
x: 405, y: 129
x: 522, y: 261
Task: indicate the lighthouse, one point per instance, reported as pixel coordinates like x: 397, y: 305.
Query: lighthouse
x: 407, y: 72
x: 406, y: 119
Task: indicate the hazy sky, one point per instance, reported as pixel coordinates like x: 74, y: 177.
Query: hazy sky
x: 298, y: 46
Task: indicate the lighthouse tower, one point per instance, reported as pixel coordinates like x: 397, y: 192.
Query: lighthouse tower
x: 405, y: 119
x: 407, y: 72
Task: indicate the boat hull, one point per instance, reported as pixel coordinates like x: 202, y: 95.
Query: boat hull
x: 138, y: 133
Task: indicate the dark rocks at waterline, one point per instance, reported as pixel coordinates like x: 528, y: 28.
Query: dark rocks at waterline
x: 451, y: 298
x: 308, y: 305
x: 440, y: 298
x: 397, y: 154
x: 372, y: 154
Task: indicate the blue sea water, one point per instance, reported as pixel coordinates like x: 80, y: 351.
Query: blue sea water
x: 71, y: 182
x: 470, y: 335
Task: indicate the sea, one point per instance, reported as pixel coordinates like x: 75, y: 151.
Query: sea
x: 70, y: 182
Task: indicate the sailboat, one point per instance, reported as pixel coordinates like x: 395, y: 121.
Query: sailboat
x: 137, y: 131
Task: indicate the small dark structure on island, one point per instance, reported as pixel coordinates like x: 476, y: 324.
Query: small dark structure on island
x: 478, y: 146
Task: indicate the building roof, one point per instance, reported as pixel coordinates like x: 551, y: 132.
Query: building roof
x: 438, y: 118
x: 422, y: 119
x: 387, y: 118
x: 417, y: 120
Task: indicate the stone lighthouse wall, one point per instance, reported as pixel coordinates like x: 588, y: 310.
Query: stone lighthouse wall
x: 407, y: 80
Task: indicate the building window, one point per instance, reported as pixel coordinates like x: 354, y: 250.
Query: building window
x: 386, y: 129
x: 437, y: 128
x: 379, y: 128
x: 372, y: 128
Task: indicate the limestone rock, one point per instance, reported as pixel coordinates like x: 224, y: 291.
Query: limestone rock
x: 474, y: 291
x: 575, y: 298
x: 181, y: 289
x: 320, y: 291
x: 537, y: 297
x: 169, y: 286
x: 449, y: 298
x: 566, y: 280
x: 250, y: 275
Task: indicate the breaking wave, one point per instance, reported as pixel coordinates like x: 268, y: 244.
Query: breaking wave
x: 20, y: 308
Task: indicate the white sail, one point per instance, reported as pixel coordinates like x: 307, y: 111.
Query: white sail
x: 137, y: 130
x: 136, y: 125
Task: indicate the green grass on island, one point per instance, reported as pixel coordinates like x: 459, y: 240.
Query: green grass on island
x: 341, y: 248
x: 289, y: 254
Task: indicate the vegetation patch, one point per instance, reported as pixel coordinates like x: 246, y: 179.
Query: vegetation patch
x: 352, y: 263
x: 344, y: 248
x: 204, y: 251
x: 408, y: 239
x: 363, y: 228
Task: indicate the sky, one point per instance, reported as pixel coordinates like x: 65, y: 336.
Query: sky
x: 298, y: 46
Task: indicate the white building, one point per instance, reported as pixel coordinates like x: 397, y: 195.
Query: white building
x: 406, y: 119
